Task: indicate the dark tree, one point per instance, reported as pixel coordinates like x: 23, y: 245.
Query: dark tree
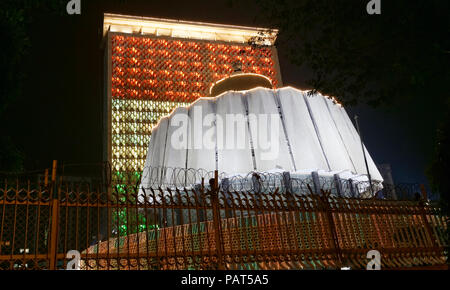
x: 440, y: 167
x: 16, y: 17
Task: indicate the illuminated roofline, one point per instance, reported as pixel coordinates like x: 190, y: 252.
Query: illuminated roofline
x: 185, y: 29
x: 333, y: 99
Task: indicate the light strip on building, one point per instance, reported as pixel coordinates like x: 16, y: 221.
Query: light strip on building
x: 185, y: 29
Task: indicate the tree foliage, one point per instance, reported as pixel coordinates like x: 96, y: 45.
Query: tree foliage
x: 440, y: 167
x: 400, y: 55
x: 397, y: 57
x: 16, y: 17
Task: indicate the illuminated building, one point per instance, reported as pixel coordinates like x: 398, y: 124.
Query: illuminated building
x: 156, y: 65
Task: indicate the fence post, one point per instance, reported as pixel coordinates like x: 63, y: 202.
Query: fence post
x: 337, y: 181
x: 46, y: 178
x: 424, y: 217
x: 352, y: 187
x: 217, y: 220
x: 316, y: 182
x: 55, y: 218
x: 326, y: 203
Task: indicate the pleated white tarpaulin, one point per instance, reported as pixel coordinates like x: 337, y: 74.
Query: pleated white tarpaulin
x: 259, y: 130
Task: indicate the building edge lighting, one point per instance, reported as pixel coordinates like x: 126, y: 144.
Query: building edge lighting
x: 186, y: 29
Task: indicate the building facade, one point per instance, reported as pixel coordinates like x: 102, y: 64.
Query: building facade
x: 156, y: 65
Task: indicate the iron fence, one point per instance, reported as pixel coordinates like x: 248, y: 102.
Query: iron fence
x: 124, y: 226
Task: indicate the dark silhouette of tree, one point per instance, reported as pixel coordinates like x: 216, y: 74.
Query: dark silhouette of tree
x: 440, y: 167
x: 401, y: 54
x: 16, y: 17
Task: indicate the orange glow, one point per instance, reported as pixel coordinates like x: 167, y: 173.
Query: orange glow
x: 150, y: 77
x: 151, y: 66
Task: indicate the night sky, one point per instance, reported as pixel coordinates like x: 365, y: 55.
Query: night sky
x: 60, y: 113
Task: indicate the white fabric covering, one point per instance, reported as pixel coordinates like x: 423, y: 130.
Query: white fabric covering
x: 334, y: 149
x: 199, y: 156
x: 300, y: 129
x: 239, y: 158
x: 174, y: 156
x: 263, y: 102
x: 313, y: 134
x: 358, y: 153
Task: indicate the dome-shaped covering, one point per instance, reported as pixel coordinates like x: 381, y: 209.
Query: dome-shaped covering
x: 259, y: 130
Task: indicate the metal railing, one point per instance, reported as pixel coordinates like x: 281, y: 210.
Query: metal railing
x: 207, y: 227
